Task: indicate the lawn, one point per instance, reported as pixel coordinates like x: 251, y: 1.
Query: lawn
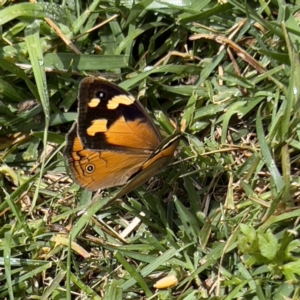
x: 221, y: 220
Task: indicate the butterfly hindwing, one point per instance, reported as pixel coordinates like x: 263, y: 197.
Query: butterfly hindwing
x: 95, y: 170
x: 155, y: 162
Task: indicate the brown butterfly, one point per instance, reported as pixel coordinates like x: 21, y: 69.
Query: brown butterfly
x: 114, y: 141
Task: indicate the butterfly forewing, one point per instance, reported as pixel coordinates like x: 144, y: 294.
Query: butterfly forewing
x: 109, y: 118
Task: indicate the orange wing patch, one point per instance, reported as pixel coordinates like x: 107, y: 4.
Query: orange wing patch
x: 132, y: 134
x: 99, y: 125
x: 120, y: 99
x: 94, y: 102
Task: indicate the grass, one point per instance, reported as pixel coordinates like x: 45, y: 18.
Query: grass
x: 223, y: 220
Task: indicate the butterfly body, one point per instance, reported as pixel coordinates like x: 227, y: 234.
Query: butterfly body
x: 114, y: 139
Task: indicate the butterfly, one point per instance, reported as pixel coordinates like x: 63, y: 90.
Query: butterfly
x: 114, y: 141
